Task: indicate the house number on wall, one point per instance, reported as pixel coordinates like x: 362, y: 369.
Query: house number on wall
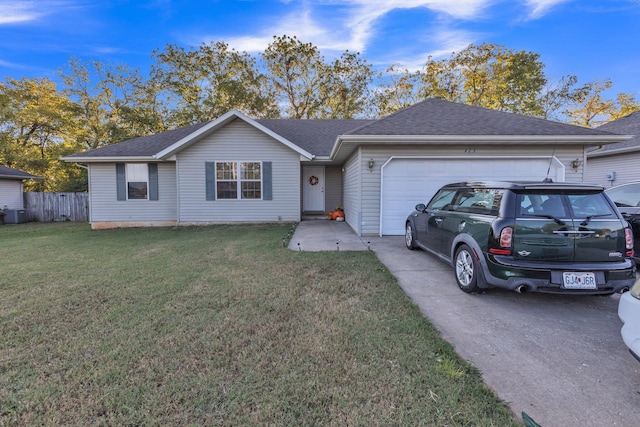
x: 469, y: 150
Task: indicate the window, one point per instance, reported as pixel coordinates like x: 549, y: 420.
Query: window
x: 137, y: 180
x: 626, y: 195
x: 239, y: 180
x: 484, y: 201
x: 442, y: 200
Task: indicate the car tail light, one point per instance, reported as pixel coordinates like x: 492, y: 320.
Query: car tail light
x: 506, y: 237
x: 628, y: 236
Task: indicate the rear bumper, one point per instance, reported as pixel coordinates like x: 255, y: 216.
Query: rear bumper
x: 507, y: 273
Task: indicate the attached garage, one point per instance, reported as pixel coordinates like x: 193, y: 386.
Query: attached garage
x: 407, y: 181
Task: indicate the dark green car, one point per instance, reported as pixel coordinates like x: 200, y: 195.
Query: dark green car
x: 524, y: 236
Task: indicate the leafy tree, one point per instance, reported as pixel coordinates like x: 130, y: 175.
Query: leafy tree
x: 201, y: 85
x: 489, y: 76
x: 309, y: 87
x: 297, y: 74
x: 346, y: 93
x: 398, y: 88
x: 114, y: 103
x: 625, y: 104
x: 591, y: 108
x: 35, y: 118
x: 554, y: 97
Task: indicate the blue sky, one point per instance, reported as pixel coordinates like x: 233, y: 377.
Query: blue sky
x: 593, y: 39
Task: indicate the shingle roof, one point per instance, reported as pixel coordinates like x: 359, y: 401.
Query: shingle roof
x: 430, y: 117
x: 143, y: 146
x: 314, y: 136
x: 11, y: 173
x: 440, y: 117
x: 627, y: 125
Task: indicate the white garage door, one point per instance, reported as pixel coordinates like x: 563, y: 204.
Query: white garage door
x: 409, y: 181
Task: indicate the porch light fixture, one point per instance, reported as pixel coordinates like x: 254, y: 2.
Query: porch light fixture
x: 371, y: 163
x: 576, y: 164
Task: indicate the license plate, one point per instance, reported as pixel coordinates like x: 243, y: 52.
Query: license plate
x: 579, y: 280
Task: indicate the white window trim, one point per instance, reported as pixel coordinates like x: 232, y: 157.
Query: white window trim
x: 127, y: 180
x: 239, y: 180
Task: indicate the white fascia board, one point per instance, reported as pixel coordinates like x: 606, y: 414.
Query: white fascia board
x: 600, y: 153
x: 221, y: 121
x: 544, y: 139
x: 21, y: 178
x: 119, y: 159
x: 476, y: 139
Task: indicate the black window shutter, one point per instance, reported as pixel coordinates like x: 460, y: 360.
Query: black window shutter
x: 210, y: 172
x: 121, y: 181
x: 267, y: 186
x: 153, y: 181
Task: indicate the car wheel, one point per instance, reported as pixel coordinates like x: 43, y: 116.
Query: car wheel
x: 409, y: 238
x: 467, y: 269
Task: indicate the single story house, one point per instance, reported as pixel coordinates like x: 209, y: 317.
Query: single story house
x: 12, y: 187
x: 239, y: 169
x: 616, y: 164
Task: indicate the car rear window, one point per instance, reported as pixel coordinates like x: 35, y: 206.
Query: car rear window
x: 563, y: 204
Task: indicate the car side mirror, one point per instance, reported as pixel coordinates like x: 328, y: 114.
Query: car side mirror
x: 420, y: 207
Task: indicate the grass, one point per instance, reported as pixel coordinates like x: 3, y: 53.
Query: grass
x: 217, y: 325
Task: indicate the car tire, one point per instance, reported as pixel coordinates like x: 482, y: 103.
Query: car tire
x: 467, y: 270
x: 409, y: 237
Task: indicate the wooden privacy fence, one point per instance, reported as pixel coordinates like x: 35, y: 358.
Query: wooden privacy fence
x: 46, y: 207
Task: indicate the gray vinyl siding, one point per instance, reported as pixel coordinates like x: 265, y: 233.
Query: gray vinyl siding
x: 11, y: 194
x: 351, y: 192
x: 333, y: 187
x: 362, y: 191
x: 105, y: 206
x: 625, y: 165
x: 238, y: 142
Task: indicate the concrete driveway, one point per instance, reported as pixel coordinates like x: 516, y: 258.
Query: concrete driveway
x: 560, y: 359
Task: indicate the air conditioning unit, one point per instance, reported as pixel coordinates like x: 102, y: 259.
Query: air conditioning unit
x: 15, y: 216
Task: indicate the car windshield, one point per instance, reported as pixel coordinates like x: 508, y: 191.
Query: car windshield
x: 625, y: 196
x: 562, y: 205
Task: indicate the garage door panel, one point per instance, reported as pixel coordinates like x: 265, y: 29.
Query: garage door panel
x: 407, y: 182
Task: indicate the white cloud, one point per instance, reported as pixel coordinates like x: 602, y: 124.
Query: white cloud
x: 20, y: 11
x: 350, y: 27
x: 447, y: 41
x: 540, y: 7
x: 338, y: 25
x: 13, y: 12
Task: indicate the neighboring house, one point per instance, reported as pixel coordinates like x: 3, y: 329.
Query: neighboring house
x: 615, y: 164
x: 237, y: 169
x: 12, y: 188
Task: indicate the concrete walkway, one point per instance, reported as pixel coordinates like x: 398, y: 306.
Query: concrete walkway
x: 322, y: 235
x: 558, y: 358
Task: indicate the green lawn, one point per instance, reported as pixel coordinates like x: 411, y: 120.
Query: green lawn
x: 217, y: 326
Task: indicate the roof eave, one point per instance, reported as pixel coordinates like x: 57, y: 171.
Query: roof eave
x: 603, y: 153
x: 109, y: 159
x: 476, y: 139
x: 577, y: 139
x: 21, y: 178
x: 17, y: 178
